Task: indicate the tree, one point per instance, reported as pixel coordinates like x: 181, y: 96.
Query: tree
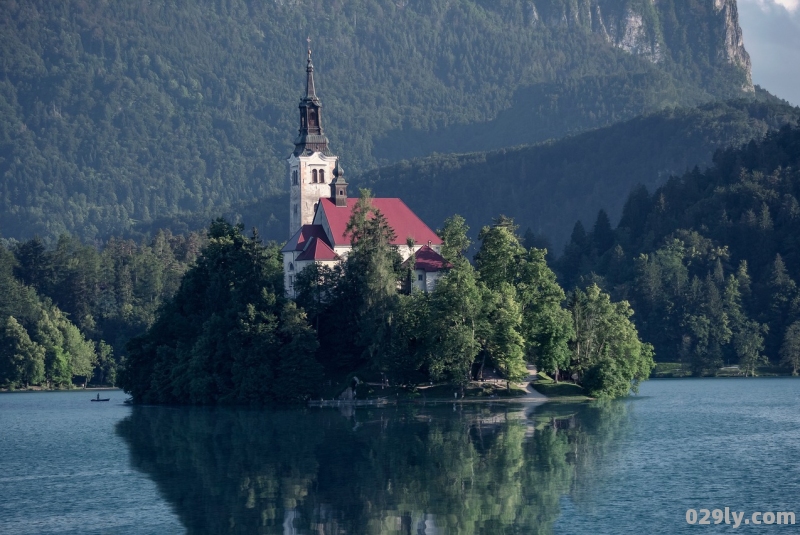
x: 546, y: 326
x: 21, y: 360
x: 790, y: 350
x: 602, y: 235
x: 457, y: 320
x: 499, y: 254
x: 504, y: 343
x: 372, y: 271
x: 606, y: 349
x: 298, y: 372
x: 454, y: 238
x: 749, y: 343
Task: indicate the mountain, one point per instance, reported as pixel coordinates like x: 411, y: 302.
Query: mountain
x: 547, y: 187
x: 114, y: 115
x: 710, y: 260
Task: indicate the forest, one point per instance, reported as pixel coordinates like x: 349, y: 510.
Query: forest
x: 709, y: 261
x: 118, y: 117
x: 68, y: 310
x: 547, y: 187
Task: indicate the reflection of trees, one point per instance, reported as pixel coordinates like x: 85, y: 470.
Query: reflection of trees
x: 378, y: 471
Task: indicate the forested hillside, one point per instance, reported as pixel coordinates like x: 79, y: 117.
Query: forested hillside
x: 68, y: 310
x: 710, y: 261
x: 548, y: 186
x: 114, y: 115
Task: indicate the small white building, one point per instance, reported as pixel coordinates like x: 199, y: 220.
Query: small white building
x: 319, y: 208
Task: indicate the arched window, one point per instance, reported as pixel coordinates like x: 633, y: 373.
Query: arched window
x: 321, y: 176
x: 312, y: 118
x: 291, y: 266
x: 294, y: 177
x: 314, y: 176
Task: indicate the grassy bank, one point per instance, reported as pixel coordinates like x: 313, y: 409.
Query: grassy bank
x: 560, y: 391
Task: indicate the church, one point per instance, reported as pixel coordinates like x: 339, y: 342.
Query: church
x: 319, y: 208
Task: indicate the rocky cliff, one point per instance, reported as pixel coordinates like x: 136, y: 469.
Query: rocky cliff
x: 656, y: 30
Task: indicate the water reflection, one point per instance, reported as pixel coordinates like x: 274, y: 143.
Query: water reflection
x: 398, y: 470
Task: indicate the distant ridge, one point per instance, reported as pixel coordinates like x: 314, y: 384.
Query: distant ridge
x: 116, y: 114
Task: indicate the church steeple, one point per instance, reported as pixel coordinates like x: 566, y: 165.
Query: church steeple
x: 311, y: 137
x: 311, y: 165
x: 311, y: 91
x: 339, y: 186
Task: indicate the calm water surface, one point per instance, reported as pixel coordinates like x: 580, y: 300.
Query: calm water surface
x: 71, y: 466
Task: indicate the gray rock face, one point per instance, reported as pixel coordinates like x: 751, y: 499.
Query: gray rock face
x: 655, y: 29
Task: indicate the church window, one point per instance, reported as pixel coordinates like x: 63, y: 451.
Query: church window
x: 295, y: 209
x: 294, y: 177
x: 341, y: 192
x: 419, y: 277
x: 312, y: 118
x: 321, y: 176
x: 291, y: 280
x: 291, y: 266
x: 314, y: 176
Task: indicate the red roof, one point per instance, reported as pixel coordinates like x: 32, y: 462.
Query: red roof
x: 300, y: 240
x: 403, y: 221
x: 317, y: 249
x: 430, y: 261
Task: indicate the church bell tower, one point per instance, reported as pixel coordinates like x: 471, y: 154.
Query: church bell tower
x: 312, y: 163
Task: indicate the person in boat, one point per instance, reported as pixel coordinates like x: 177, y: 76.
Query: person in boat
x: 98, y: 396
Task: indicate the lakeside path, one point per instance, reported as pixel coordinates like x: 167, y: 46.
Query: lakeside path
x: 533, y: 394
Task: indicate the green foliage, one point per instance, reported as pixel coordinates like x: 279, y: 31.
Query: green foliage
x: 109, y: 294
x: 707, y: 259
x: 790, y: 350
x: 607, y: 352
x: 228, y: 335
x: 505, y: 344
x: 21, y: 359
x: 65, y: 351
x: 457, y: 322
x: 118, y: 118
x: 455, y: 241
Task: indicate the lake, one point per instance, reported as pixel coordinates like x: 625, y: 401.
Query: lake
x: 634, y: 466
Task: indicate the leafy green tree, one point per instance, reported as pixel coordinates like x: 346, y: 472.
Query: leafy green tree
x: 790, y: 350
x: 607, y: 352
x: 372, y: 271
x: 457, y: 321
x: 546, y: 325
x: 21, y: 359
x: 298, y: 374
x: 505, y: 344
x: 499, y: 254
x: 749, y: 343
x: 454, y: 237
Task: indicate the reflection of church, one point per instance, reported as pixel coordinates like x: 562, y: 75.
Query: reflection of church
x: 319, y: 208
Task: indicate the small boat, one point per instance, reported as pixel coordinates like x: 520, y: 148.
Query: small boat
x: 99, y: 399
